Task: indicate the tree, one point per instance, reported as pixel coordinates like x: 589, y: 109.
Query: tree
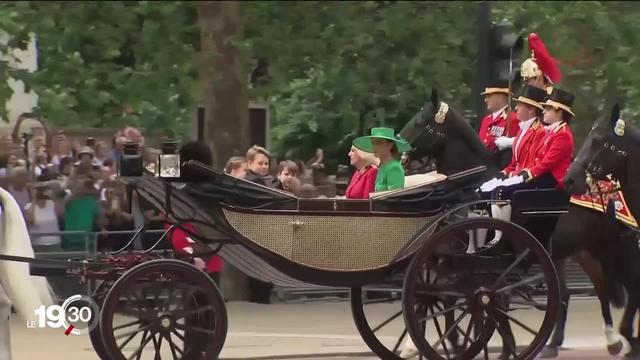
x: 224, y: 81
x: 92, y: 67
x: 341, y: 68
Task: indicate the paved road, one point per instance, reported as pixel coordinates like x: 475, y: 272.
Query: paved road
x: 295, y: 331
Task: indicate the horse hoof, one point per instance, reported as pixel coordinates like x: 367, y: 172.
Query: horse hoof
x: 549, y: 352
x: 615, y: 348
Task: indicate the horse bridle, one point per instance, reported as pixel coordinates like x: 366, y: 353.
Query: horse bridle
x: 439, y: 118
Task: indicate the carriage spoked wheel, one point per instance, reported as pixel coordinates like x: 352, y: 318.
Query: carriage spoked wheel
x: 165, y: 309
x: 467, y: 297
x: 378, y: 318
x: 95, y: 335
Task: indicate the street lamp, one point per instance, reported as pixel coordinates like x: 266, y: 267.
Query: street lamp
x: 168, y: 161
x: 130, y: 161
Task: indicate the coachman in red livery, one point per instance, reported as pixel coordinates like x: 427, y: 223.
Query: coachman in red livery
x: 500, y: 122
x: 550, y: 154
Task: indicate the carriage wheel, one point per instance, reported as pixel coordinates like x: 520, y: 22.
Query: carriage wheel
x: 168, y: 307
x: 503, y: 294
x: 95, y: 335
x: 387, y: 312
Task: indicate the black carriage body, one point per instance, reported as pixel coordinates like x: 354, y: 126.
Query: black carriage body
x: 326, y: 242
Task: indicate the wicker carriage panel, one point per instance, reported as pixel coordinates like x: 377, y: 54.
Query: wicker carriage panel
x: 343, y: 243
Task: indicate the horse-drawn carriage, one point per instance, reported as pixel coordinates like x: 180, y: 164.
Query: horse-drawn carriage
x: 458, y: 297
x: 461, y: 296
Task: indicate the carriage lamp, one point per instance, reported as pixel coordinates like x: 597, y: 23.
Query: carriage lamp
x: 130, y: 161
x: 169, y: 161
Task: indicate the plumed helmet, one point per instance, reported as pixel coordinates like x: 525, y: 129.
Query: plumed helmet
x: 540, y: 63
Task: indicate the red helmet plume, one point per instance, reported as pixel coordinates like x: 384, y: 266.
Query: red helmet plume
x: 547, y: 64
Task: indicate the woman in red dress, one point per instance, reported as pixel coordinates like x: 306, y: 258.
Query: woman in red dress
x: 363, y: 181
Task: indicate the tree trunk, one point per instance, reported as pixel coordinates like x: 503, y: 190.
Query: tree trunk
x: 224, y: 82
x: 224, y: 97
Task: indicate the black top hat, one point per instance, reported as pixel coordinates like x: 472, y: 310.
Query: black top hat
x: 497, y: 86
x: 560, y: 99
x: 532, y: 95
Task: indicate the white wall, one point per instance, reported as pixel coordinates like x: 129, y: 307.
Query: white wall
x: 20, y: 101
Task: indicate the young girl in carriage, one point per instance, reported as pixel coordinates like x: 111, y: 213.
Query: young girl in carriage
x: 180, y: 239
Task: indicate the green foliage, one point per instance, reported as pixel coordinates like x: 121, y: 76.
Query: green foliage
x: 595, y: 44
x: 344, y: 67
x: 97, y: 58
x: 338, y: 68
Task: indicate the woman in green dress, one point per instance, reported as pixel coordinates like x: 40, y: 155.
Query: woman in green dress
x: 387, y: 147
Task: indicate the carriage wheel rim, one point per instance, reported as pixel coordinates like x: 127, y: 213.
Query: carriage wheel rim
x: 549, y: 275
x: 366, y: 330
x: 211, y: 323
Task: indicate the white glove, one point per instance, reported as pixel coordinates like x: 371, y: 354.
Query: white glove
x: 490, y: 185
x: 514, y: 180
x: 504, y: 142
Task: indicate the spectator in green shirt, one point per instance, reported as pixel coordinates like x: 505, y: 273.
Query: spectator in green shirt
x: 387, y: 147
x: 81, y: 213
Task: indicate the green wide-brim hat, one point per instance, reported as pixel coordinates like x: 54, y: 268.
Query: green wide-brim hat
x: 364, y: 143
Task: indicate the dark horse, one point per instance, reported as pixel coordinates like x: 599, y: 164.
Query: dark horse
x: 440, y: 132
x: 613, y: 148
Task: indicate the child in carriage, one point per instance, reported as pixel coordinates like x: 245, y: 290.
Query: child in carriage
x: 258, y: 159
x: 180, y: 239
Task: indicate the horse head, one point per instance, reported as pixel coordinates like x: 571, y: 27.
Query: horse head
x: 439, y: 132
x: 426, y: 129
x: 609, y: 149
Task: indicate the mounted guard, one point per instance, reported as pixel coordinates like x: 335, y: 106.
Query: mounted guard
x: 541, y: 69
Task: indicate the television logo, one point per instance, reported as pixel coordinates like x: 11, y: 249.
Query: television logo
x: 77, y: 315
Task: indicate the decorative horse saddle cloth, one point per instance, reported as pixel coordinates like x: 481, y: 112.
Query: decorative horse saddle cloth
x: 597, y: 200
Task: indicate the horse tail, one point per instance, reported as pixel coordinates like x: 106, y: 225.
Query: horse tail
x: 615, y: 287
x: 26, y: 293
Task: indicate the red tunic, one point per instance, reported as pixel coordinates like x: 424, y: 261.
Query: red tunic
x: 553, y: 154
x: 361, y: 185
x: 523, y: 150
x: 180, y: 242
x: 491, y: 129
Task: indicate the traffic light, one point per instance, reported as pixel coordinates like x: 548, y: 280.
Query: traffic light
x: 504, y: 52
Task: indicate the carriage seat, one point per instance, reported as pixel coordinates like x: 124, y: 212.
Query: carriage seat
x: 540, y: 202
x: 429, y: 192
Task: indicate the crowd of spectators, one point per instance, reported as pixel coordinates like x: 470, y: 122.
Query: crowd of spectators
x: 68, y: 193
x: 64, y: 184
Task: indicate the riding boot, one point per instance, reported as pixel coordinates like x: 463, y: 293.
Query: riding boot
x: 478, y: 237
x: 502, y: 212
